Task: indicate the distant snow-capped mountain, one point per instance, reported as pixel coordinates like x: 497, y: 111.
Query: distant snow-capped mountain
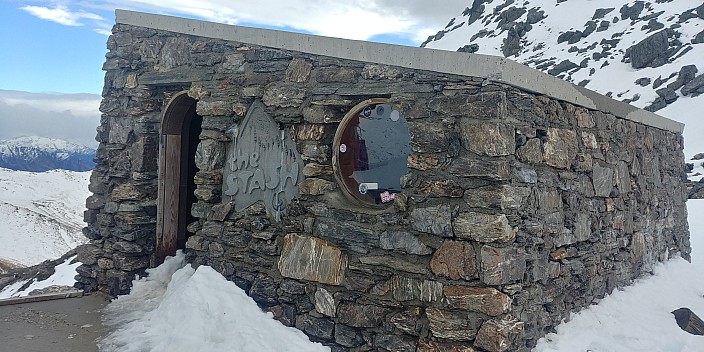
x: 646, y: 53
x: 42, y: 154
x: 41, y: 215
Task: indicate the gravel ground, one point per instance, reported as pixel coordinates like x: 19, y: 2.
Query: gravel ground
x: 63, y: 325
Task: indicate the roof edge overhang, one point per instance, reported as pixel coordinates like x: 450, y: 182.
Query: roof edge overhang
x: 492, y: 68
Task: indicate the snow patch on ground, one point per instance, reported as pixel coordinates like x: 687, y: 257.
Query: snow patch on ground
x: 177, y: 308
x: 63, y: 276
x: 12, y: 290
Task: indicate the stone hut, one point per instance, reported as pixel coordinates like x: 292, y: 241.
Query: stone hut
x: 377, y: 197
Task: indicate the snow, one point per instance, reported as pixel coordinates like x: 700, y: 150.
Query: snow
x: 41, y: 214
x: 697, y: 172
x: 177, y: 308
x: 688, y: 112
x: 63, y: 276
x: 12, y: 289
x: 43, y: 143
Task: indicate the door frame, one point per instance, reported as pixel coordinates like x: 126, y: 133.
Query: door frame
x: 173, y: 172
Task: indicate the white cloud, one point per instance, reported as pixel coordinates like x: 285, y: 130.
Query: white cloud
x: 351, y: 19
x: 103, y: 31
x: 72, y: 117
x: 61, y: 14
x: 81, y: 105
x: 413, y: 20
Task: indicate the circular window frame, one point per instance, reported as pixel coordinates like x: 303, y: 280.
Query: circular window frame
x: 339, y: 178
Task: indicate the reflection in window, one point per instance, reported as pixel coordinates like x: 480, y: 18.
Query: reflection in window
x: 371, y: 148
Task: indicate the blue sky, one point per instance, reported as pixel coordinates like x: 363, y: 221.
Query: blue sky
x: 51, y: 73
x: 44, y: 56
x: 64, y: 51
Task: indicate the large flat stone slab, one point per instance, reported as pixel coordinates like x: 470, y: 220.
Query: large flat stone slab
x: 313, y: 259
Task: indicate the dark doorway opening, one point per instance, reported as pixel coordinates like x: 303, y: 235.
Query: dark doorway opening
x: 191, y: 132
x: 178, y: 143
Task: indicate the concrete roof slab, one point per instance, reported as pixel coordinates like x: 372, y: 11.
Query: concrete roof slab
x: 491, y: 68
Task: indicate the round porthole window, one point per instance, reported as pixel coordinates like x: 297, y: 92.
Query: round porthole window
x: 371, y: 151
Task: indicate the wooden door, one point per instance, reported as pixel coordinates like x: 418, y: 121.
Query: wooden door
x: 172, y: 202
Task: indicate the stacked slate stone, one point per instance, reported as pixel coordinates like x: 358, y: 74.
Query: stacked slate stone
x: 518, y: 208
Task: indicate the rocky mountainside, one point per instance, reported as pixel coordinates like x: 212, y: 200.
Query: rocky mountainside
x: 646, y: 53
x: 41, y: 154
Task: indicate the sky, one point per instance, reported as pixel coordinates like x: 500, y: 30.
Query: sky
x: 53, y: 50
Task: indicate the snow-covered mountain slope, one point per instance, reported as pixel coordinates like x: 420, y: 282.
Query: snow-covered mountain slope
x: 648, y: 53
x: 42, y: 154
x: 41, y: 214
x: 63, y: 276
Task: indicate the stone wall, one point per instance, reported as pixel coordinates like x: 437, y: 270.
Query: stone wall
x: 518, y: 208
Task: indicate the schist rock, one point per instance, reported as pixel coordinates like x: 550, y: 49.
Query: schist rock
x: 688, y: 321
